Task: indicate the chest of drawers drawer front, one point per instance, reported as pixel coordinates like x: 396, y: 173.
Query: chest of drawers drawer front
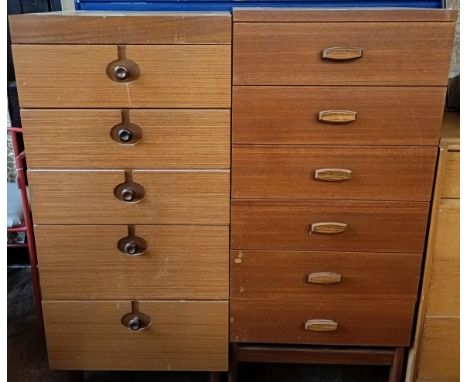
x: 170, y: 197
x: 169, y: 138
x: 393, y: 53
x: 121, y: 28
x: 289, y: 115
x: 85, y: 262
x: 371, y: 323
x: 324, y: 275
x: 377, y: 173
x: 370, y: 226
x: 185, y: 335
x: 67, y: 76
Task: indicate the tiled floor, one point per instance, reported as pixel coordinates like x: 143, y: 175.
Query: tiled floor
x: 27, y: 358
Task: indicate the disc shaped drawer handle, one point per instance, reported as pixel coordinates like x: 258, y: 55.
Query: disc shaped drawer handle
x: 126, y: 133
x: 328, y: 228
x: 332, y: 174
x: 136, y: 321
x: 337, y: 116
x: 129, y: 192
x: 323, y: 278
x: 123, y: 71
x: 132, y: 245
x: 341, y: 53
x: 318, y: 325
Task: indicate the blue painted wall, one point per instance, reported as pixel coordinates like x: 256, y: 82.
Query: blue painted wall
x: 214, y: 5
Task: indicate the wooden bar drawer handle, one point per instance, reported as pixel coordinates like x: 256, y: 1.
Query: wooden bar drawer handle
x: 332, y: 174
x: 337, y: 116
x: 328, y: 228
x: 321, y: 325
x: 341, y: 54
x: 323, y: 278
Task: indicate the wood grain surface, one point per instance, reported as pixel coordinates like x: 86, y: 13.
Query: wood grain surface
x: 378, y: 173
x: 440, y: 351
x: 171, y: 139
x: 394, y: 53
x: 184, y: 335
x: 171, y: 197
x: 171, y: 76
x: 121, y: 28
x: 340, y: 15
x: 360, y: 322
x: 289, y: 115
x: 451, y: 186
x: 83, y: 262
x: 283, y: 275
x: 443, y: 297
x: 372, y: 226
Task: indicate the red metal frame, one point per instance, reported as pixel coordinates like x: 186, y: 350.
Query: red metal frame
x: 27, y: 226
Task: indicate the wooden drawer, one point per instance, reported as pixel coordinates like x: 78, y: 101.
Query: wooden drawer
x: 162, y: 139
x: 170, y: 197
x: 81, y: 262
x: 183, y: 335
x: 444, y: 289
x: 380, y: 173
x: 290, y: 275
x: 371, y: 226
x: 121, y: 28
x: 67, y: 76
x: 290, y: 115
x: 451, y: 185
x: 440, y: 352
x: 370, y: 323
x: 393, y: 53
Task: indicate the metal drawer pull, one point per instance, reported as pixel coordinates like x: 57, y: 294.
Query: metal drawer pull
x: 126, y: 132
x: 323, y: 278
x: 318, y: 325
x: 341, y: 54
x: 136, y: 321
x: 328, y: 228
x: 129, y: 192
x: 332, y: 174
x: 123, y: 70
x: 132, y: 245
x: 337, y: 116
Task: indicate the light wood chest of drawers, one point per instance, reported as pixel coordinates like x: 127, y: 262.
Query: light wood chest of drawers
x: 336, y: 122
x: 127, y: 130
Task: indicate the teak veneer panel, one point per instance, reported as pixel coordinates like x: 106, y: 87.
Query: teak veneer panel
x: 171, y: 139
x: 183, y: 335
x: 121, y: 28
x: 266, y: 14
x: 83, y: 262
x: 283, y: 275
x: 443, y: 297
x: 440, y: 351
x: 451, y: 185
x: 395, y: 53
x: 288, y: 115
x: 372, y: 226
x: 366, y: 323
x: 171, y: 197
x: 171, y: 76
x: 378, y: 173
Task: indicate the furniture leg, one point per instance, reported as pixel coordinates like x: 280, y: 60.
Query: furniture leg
x: 213, y: 376
x: 397, y: 366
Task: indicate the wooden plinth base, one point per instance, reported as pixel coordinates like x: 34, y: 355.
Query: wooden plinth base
x: 392, y: 357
